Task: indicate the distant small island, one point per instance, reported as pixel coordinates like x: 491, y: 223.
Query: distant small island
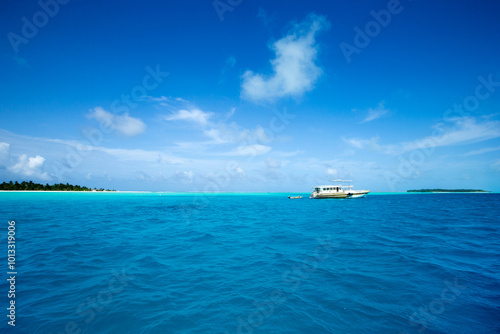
x: 447, y: 191
x: 31, y: 186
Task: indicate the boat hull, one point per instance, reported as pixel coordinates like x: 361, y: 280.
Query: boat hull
x: 353, y: 194
x: 359, y: 195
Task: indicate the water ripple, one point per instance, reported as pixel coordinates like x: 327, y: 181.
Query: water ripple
x: 143, y: 263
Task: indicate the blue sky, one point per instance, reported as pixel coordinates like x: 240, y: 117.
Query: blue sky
x: 238, y: 95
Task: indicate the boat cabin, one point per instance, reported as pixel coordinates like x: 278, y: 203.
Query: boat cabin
x: 341, y: 186
x: 336, y: 189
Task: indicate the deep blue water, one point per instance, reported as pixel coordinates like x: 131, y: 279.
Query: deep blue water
x: 145, y: 263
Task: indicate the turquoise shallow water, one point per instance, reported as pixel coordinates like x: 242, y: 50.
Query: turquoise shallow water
x: 246, y: 263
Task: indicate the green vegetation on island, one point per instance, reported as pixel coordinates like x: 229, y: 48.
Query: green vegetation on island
x: 447, y: 191
x: 30, y: 186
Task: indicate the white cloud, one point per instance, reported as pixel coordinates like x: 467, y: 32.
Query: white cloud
x: 482, y: 151
x: 222, y: 133
x: 378, y: 112
x: 362, y: 143
x: 156, y: 99
x: 230, y: 113
x: 32, y: 167
x: 356, y: 142
x: 121, y: 154
x: 294, y: 67
x: 272, y: 163
x: 124, y: 124
x: 217, y: 135
x: 141, y: 155
x: 166, y: 101
x: 249, y: 150
x: 193, y: 115
x: 240, y: 171
x: 4, y: 148
x: 288, y: 154
x: 218, y: 130
x: 4, y: 153
x: 464, y: 130
x: 184, y: 177
x: 332, y: 171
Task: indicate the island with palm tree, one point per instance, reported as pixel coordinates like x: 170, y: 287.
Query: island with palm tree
x: 31, y: 186
x: 448, y: 191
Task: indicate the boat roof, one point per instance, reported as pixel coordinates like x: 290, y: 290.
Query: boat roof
x: 339, y: 183
x: 333, y: 185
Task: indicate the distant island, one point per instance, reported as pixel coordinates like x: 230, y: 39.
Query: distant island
x: 447, y: 191
x: 31, y: 186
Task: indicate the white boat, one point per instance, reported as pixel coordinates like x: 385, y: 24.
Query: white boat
x: 341, y: 189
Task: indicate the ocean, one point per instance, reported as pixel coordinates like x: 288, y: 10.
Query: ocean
x: 250, y: 263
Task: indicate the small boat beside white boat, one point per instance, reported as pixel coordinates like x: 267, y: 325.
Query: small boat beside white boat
x: 340, y: 189
x: 295, y: 197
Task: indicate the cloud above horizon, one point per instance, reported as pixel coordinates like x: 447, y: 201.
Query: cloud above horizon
x: 249, y: 150
x: 218, y: 129
x: 376, y: 113
x: 30, y: 167
x: 124, y: 124
x: 294, y: 69
x: 194, y: 115
x: 461, y: 131
x: 482, y: 151
x: 4, y: 151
